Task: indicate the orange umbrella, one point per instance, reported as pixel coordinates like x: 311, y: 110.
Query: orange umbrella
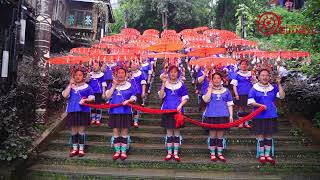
x: 240, y: 42
x: 130, y: 31
x: 212, y: 62
x: 163, y: 47
x: 196, y: 38
x: 103, y: 46
x: 165, y: 55
x: 69, y: 59
x: 152, y: 32
x: 204, y: 52
x: 113, y: 39
x: 115, y: 57
x: 196, y: 45
x: 86, y: 51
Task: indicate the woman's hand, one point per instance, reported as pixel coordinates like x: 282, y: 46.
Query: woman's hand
x: 265, y: 107
x: 82, y: 101
x: 125, y: 102
x: 179, y: 108
x: 231, y: 118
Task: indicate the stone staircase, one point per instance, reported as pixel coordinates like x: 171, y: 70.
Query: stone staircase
x: 297, y: 157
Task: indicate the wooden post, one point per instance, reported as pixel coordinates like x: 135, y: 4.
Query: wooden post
x: 42, y: 52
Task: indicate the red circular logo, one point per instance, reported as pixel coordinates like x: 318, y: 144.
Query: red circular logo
x: 268, y: 23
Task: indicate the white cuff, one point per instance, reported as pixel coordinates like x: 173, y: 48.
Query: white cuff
x: 278, y: 96
x: 164, y: 94
x: 234, y: 82
x: 230, y: 103
x: 149, y: 72
x: 65, y: 97
x: 143, y: 82
x: 185, y: 97
x: 134, y: 98
x: 104, y: 84
x: 251, y: 100
x: 205, y: 99
x: 91, y: 97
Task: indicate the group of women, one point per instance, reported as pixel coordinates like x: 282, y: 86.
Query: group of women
x: 129, y: 84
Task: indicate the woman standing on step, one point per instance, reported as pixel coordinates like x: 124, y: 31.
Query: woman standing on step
x: 219, y: 110
x: 98, y: 84
x: 242, y: 83
x: 78, y: 93
x: 120, y: 118
x: 265, y: 124
x: 175, y: 96
x: 139, y: 82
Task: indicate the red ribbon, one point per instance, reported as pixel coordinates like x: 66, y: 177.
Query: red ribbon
x: 179, y: 117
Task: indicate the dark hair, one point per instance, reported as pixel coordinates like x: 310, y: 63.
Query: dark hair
x: 173, y: 67
x: 261, y: 70
x: 241, y: 61
x: 120, y: 67
x: 217, y: 73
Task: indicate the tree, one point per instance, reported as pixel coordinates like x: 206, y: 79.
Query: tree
x: 172, y: 14
x: 42, y: 51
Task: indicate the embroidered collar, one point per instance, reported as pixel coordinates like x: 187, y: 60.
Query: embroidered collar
x: 110, y: 65
x: 96, y: 75
x: 83, y: 86
x: 173, y: 86
x: 217, y: 88
x: 145, y: 64
x: 221, y: 91
x: 126, y: 85
x: 263, y: 88
x: 136, y: 73
x: 244, y: 74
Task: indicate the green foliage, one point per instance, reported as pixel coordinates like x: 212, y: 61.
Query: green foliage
x: 17, y: 125
x: 316, y: 120
x: 58, y: 78
x: 119, y: 21
x: 181, y: 14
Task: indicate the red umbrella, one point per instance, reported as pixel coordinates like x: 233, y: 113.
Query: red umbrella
x: 165, y: 55
x: 115, y: 57
x: 86, y: 51
x: 130, y: 31
x: 69, y: 59
x: 152, y: 32
x: 196, y: 45
x: 212, y: 62
x: 204, y: 52
x: 113, y: 39
x: 103, y: 46
x: 240, y: 42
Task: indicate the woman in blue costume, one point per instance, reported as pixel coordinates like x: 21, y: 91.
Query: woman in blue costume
x: 139, y: 83
x: 78, y: 118
x: 219, y: 110
x: 175, y: 96
x: 120, y: 118
x: 242, y: 83
x: 98, y: 83
x: 265, y: 124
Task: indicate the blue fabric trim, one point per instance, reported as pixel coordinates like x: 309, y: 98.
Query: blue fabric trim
x: 112, y: 141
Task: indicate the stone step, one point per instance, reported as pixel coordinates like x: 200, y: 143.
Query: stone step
x: 287, y: 151
x: 198, y: 163
x: 52, y: 171
x: 146, y: 138
x: 156, y: 122
x: 195, y: 130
